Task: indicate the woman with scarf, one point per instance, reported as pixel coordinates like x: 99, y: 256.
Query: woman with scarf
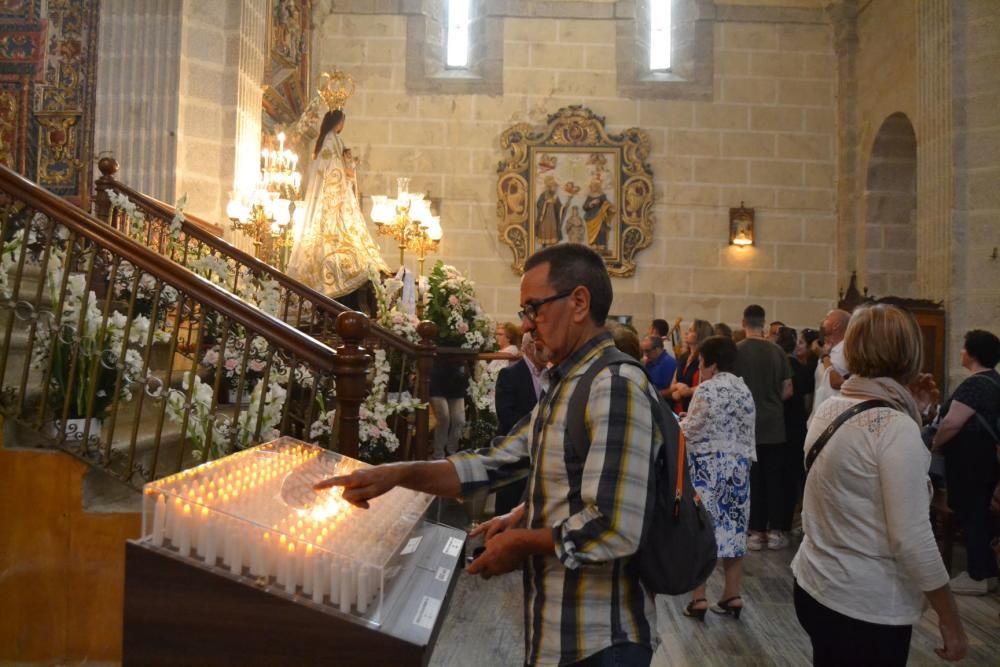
x: 868, y: 557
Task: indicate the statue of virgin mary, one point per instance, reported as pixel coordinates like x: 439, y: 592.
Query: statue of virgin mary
x: 332, y: 250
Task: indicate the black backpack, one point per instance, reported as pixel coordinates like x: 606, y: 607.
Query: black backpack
x: 678, y: 550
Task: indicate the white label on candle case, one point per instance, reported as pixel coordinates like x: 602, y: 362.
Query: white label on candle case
x: 442, y: 574
x: 427, y: 612
x: 453, y: 547
x: 411, y: 546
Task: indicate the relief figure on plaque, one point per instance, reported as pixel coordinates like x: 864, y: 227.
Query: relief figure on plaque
x: 598, y: 214
x: 549, y: 208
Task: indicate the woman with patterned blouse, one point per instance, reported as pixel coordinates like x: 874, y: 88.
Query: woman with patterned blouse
x: 719, y: 427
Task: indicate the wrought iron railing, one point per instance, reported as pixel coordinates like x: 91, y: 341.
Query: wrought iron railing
x: 196, y: 245
x: 135, y: 365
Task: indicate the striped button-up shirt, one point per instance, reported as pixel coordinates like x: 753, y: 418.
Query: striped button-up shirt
x: 581, y: 598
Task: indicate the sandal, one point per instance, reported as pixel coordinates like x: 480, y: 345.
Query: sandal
x: 696, y: 612
x: 726, y: 607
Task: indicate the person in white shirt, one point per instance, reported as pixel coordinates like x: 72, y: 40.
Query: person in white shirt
x: 831, y: 371
x: 868, y: 558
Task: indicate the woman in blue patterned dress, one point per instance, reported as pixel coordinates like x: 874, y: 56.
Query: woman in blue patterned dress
x: 719, y: 428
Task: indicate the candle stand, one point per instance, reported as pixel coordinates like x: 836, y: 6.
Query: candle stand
x: 242, y: 562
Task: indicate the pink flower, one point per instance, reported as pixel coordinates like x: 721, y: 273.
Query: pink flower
x: 463, y: 328
x: 257, y: 366
x: 211, y: 357
x: 453, y: 300
x: 231, y: 364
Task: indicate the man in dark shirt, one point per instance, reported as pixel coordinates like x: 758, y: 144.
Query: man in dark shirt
x: 773, y: 478
x: 517, y: 392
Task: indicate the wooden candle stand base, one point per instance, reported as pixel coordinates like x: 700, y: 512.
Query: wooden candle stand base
x: 180, y: 613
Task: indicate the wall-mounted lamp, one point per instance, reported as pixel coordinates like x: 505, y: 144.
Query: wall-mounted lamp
x: 741, y: 226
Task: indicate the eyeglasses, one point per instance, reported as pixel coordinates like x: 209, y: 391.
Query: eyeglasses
x: 530, y: 309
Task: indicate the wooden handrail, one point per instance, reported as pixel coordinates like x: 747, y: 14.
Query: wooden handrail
x: 206, y: 233
x: 84, y: 225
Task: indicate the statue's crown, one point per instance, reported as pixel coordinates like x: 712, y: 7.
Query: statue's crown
x: 336, y: 88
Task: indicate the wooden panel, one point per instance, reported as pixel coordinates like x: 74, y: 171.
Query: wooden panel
x: 178, y: 614
x: 61, y: 569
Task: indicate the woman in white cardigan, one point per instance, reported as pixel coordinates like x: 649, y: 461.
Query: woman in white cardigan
x: 868, y: 557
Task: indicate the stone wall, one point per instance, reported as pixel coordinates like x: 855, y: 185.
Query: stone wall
x: 137, y: 97
x: 766, y: 138
x: 206, y: 118
x: 974, y: 296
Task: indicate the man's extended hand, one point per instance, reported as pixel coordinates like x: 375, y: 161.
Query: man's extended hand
x: 499, y: 524
x: 361, y: 486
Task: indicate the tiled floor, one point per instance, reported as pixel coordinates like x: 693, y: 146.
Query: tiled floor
x: 484, y: 625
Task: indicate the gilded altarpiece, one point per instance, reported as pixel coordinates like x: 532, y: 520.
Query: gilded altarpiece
x: 571, y: 181
x: 47, y: 74
x: 286, y: 89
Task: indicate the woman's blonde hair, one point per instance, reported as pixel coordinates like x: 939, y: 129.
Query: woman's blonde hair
x: 513, y: 332
x: 703, y: 330
x: 884, y: 341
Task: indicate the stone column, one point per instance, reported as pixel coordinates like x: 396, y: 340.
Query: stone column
x: 850, y: 256
x: 137, y: 91
x: 974, y: 288
x: 935, y: 168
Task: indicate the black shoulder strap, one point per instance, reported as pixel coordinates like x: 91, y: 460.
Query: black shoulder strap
x: 828, y: 432
x: 576, y: 427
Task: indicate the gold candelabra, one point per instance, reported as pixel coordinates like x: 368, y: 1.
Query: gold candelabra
x: 408, y: 220
x: 267, y: 212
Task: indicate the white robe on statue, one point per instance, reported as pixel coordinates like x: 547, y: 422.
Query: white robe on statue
x: 332, y: 251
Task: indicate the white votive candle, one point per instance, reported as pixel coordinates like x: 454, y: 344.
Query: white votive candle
x: 236, y: 560
x: 159, y: 520
x: 290, y: 570
x: 318, y: 582
x: 362, y: 589
x: 183, y: 529
x: 202, y: 532
x: 211, y: 542
x: 334, y: 571
x: 307, y: 570
x: 346, y: 587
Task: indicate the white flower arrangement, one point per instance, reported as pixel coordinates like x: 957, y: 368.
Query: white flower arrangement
x: 482, y: 388
x: 377, y: 440
x: 101, y: 351
x: 230, y: 362
x: 145, y: 290
x: 390, y: 313
x: 200, y: 418
x: 450, y: 302
x: 274, y: 403
x: 8, y: 261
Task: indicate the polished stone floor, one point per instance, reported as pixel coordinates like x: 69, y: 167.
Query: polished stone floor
x: 484, y: 625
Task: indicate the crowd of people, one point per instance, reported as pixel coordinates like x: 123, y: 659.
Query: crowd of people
x: 835, y: 418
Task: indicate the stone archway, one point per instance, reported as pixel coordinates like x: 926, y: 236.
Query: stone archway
x: 891, y: 210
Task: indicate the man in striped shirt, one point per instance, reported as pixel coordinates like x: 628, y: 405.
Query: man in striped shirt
x: 583, y: 519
